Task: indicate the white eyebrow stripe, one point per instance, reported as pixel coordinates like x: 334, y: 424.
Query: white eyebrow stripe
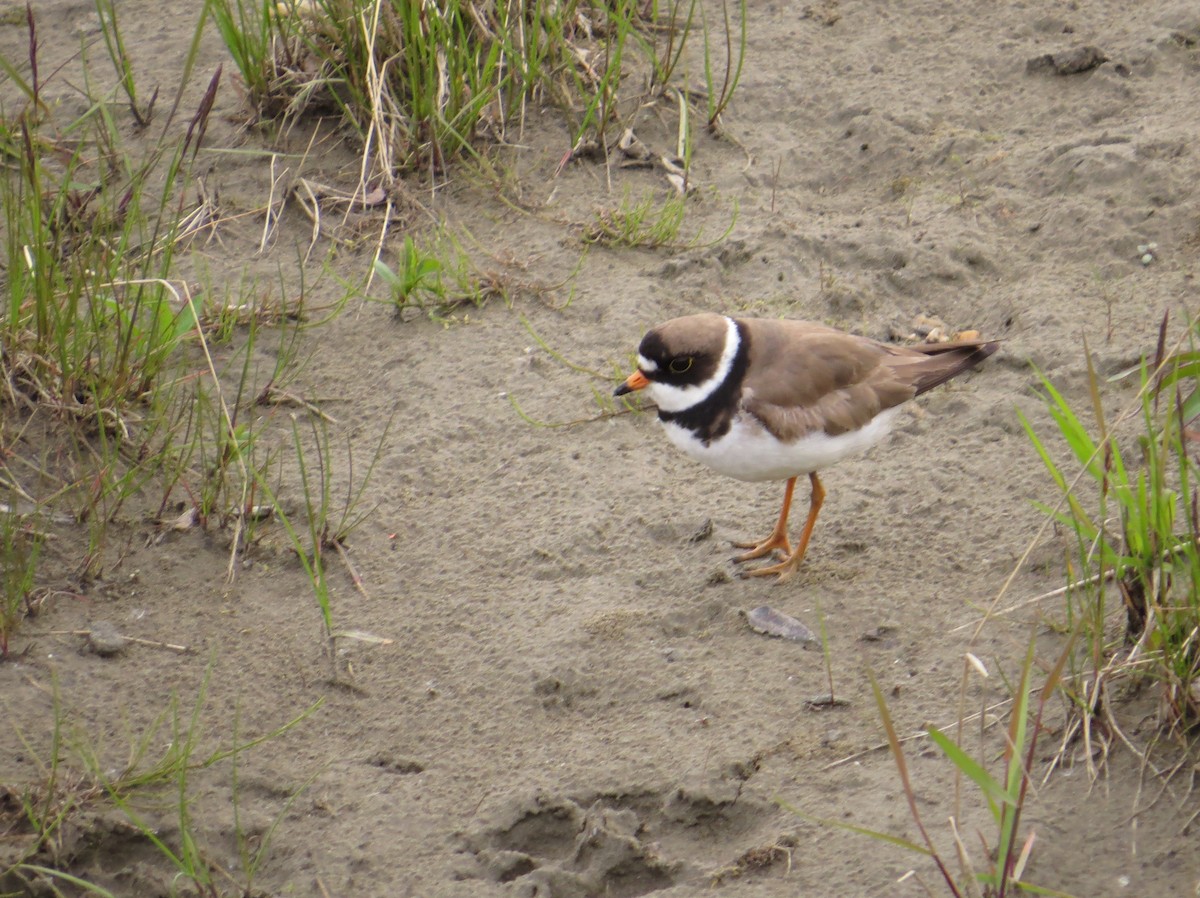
x: 671, y: 398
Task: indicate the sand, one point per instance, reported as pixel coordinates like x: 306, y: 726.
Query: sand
x: 571, y: 702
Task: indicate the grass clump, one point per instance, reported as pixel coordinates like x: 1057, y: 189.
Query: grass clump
x: 92, y: 325
x: 638, y: 222
x: 424, y: 84
x: 1000, y: 869
x: 123, y: 397
x: 54, y: 822
x: 436, y: 275
x: 1135, y: 536
x: 647, y: 223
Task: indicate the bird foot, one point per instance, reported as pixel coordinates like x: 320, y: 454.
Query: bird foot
x: 786, y: 569
x: 763, y: 548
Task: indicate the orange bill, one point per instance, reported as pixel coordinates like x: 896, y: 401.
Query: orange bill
x: 636, y: 381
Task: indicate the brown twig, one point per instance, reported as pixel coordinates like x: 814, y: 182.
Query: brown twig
x: 918, y: 735
x: 187, y: 650
x: 354, y: 577
x: 274, y: 395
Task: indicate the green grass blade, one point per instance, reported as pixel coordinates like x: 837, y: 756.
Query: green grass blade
x: 858, y: 830
x: 992, y: 790
x: 88, y: 887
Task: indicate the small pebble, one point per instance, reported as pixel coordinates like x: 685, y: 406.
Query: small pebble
x: 824, y: 703
x: 105, y: 639
x: 877, y: 634
x: 832, y: 738
x: 703, y: 532
x: 1068, y: 62
x: 718, y: 576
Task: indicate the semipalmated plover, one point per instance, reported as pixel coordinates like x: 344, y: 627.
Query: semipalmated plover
x: 762, y: 399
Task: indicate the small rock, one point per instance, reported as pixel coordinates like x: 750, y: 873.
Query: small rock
x: 1068, y: 62
x: 878, y: 634
x: 633, y: 148
x: 703, y: 532
x: 105, y: 639
x: 824, y: 703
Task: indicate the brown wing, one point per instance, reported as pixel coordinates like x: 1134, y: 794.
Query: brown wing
x: 807, y: 378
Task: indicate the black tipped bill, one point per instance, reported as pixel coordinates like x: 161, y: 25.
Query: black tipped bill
x: 636, y: 381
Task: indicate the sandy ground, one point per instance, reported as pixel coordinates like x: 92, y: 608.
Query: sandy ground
x: 572, y: 703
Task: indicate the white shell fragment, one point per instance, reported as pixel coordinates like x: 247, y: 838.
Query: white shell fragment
x: 767, y: 620
x: 978, y: 665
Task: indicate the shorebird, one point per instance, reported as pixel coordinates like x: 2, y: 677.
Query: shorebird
x: 772, y: 399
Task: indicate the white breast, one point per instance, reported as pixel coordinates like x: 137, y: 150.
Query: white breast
x: 749, y: 452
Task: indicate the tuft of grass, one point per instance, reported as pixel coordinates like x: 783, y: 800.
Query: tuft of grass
x: 418, y: 278
x: 328, y: 522
x: 645, y: 222
x: 250, y: 32
x: 999, y: 871
x: 426, y: 84
x: 437, y: 276
x: 640, y: 222
x: 75, y: 778
x: 20, y: 550
x: 1135, y: 532
x: 115, y: 381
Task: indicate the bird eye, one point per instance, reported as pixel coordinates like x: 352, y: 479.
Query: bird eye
x: 679, y: 366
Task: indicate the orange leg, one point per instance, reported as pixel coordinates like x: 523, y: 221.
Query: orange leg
x: 778, y: 538
x: 787, y: 568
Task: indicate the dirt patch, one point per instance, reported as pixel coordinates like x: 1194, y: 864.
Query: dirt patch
x: 572, y: 702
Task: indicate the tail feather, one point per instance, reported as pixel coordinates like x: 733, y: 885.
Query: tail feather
x: 940, y: 362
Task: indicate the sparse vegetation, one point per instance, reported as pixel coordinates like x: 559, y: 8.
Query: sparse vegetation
x: 1130, y: 517
x: 642, y: 222
x: 648, y: 223
x: 424, y: 85
x: 76, y: 775
x: 329, y: 522
x: 437, y: 277
x: 154, y: 385
x: 93, y: 325
x: 125, y: 398
x: 1001, y: 868
x: 148, y: 394
x: 100, y: 337
x: 1129, y: 507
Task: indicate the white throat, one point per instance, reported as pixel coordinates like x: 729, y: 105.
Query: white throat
x: 670, y: 398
